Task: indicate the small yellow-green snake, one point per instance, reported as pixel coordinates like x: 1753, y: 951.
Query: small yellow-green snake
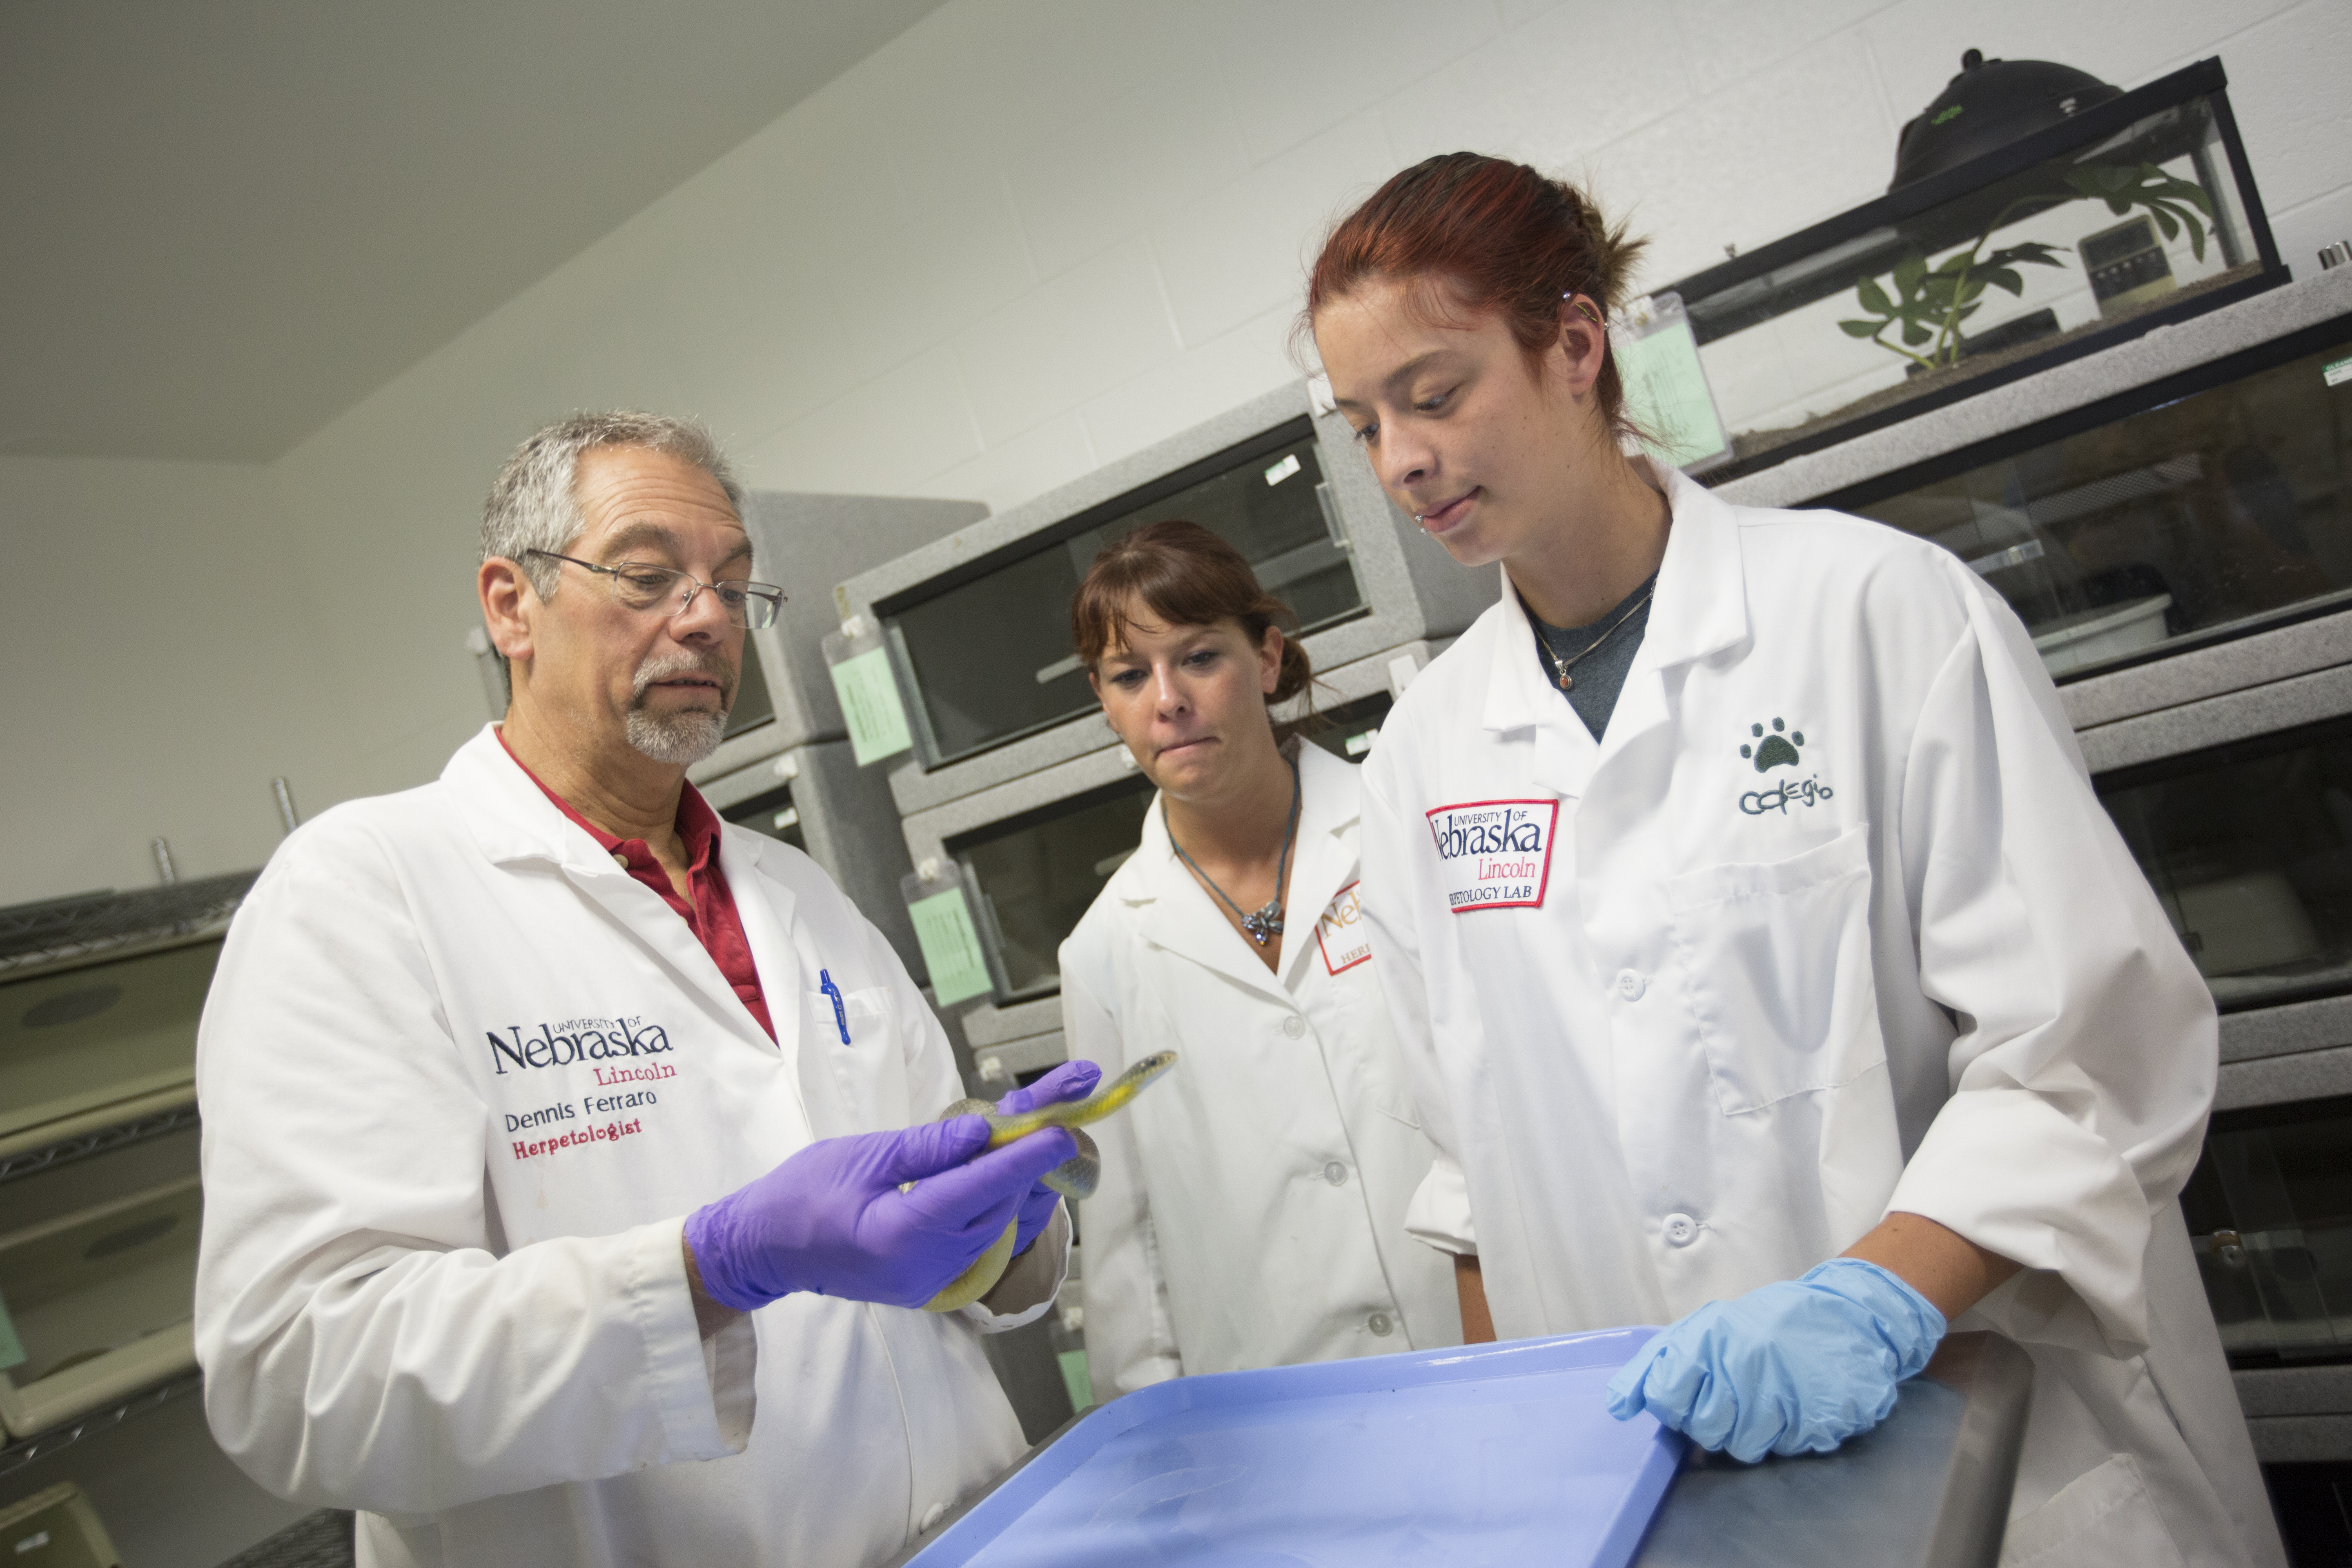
x: 1076, y: 1177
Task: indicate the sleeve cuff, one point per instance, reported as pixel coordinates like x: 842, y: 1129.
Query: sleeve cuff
x: 1439, y: 1215
x: 2004, y: 1170
x: 704, y: 1400
x: 1031, y: 1283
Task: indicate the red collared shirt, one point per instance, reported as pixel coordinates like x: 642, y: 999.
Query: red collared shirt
x: 711, y: 915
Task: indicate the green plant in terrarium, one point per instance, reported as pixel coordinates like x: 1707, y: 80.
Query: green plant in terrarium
x: 1929, y: 304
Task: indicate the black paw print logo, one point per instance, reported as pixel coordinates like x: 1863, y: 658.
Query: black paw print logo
x: 1776, y: 748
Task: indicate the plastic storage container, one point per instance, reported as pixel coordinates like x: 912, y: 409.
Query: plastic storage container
x: 2126, y: 214
x: 100, y: 1300
x: 1499, y: 1453
x: 89, y: 1043
x: 56, y: 1528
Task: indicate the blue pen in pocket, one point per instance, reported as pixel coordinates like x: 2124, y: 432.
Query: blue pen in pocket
x: 840, y: 1014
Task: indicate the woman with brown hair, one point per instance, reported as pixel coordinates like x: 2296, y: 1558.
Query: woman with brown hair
x: 1764, y: 961
x: 1251, y: 1212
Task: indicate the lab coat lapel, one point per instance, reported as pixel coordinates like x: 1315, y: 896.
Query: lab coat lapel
x: 1700, y: 608
x: 1179, y: 915
x: 765, y: 903
x: 1560, y: 750
x: 516, y: 825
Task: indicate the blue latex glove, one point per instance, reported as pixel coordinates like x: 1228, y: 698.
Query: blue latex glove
x: 1070, y: 1080
x: 831, y: 1219
x: 1795, y: 1367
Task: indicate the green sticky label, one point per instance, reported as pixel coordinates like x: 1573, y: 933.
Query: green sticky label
x: 1081, y: 1384
x: 951, y: 946
x: 870, y: 703
x: 12, y: 1349
x: 1668, y: 391
x: 2339, y: 371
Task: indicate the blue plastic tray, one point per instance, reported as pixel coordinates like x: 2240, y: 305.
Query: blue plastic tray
x: 1499, y: 1453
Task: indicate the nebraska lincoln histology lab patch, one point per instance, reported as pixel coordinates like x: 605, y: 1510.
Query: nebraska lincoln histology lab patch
x: 1495, y: 854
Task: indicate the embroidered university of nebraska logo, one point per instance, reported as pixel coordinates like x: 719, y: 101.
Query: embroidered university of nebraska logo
x: 1495, y: 854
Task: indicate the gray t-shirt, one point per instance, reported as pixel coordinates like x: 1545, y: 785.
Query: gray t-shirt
x: 1597, y: 677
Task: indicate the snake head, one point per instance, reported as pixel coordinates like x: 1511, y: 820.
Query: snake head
x: 1150, y: 1067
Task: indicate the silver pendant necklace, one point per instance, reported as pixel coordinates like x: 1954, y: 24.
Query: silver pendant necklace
x: 1266, y: 925
x: 1551, y: 655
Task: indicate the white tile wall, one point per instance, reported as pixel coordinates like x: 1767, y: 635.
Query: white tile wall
x: 1029, y: 235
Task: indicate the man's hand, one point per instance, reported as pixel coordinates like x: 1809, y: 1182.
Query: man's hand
x: 832, y: 1220
x: 1070, y: 1080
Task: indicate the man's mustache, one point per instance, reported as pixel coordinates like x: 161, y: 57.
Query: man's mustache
x: 669, y: 667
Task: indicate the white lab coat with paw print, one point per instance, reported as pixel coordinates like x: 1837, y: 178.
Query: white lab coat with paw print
x: 462, y: 1078
x: 1252, y: 1206
x: 1828, y: 923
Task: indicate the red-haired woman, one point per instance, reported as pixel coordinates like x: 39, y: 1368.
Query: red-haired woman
x: 1251, y: 1207
x: 1764, y: 963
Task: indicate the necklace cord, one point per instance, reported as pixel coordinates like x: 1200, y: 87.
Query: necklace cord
x: 1268, y: 920
x: 1551, y: 655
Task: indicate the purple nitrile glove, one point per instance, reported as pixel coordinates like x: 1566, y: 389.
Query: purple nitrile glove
x: 1792, y: 1367
x: 832, y: 1220
x: 1071, y: 1080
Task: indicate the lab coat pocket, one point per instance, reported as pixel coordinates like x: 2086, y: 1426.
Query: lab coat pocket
x: 1777, y: 974
x: 868, y: 1067
x: 2102, y: 1516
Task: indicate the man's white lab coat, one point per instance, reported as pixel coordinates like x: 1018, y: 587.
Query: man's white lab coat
x: 1251, y: 1207
x: 462, y: 1079
x: 1828, y: 923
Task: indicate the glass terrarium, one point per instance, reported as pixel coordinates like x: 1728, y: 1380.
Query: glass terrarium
x: 990, y: 654
x: 2270, y: 1214
x: 2248, y: 847
x: 2124, y: 215
x: 2221, y: 503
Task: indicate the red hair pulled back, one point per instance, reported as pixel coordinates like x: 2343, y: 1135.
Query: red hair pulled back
x: 1480, y: 233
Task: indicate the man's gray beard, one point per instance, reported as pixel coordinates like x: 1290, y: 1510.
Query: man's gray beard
x: 679, y: 738
x: 686, y: 737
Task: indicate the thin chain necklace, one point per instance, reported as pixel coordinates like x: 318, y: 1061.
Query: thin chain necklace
x: 1551, y: 655
x: 1266, y: 925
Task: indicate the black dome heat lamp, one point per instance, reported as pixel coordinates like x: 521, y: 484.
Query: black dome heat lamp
x: 1990, y: 104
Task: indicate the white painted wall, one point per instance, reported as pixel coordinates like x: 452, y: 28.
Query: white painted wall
x: 1030, y: 236
x: 159, y: 647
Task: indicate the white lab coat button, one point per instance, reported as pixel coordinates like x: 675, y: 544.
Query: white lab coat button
x: 1336, y: 1174
x: 931, y: 1516
x: 1294, y: 1025
x: 1681, y: 1230
x: 1630, y: 985
x: 1380, y: 1323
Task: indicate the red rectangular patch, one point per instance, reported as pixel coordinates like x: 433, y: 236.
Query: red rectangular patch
x: 1339, y: 935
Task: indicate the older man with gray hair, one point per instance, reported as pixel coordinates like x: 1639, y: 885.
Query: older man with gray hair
x: 555, y: 1132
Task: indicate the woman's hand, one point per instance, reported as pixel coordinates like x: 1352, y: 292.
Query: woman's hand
x: 1797, y: 1366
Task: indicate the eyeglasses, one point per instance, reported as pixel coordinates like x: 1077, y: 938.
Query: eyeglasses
x: 637, y: 587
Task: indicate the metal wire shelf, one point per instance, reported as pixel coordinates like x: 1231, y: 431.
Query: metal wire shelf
x: 24, y: 1451
x: 32, y: 935
x: 106, y: 1140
